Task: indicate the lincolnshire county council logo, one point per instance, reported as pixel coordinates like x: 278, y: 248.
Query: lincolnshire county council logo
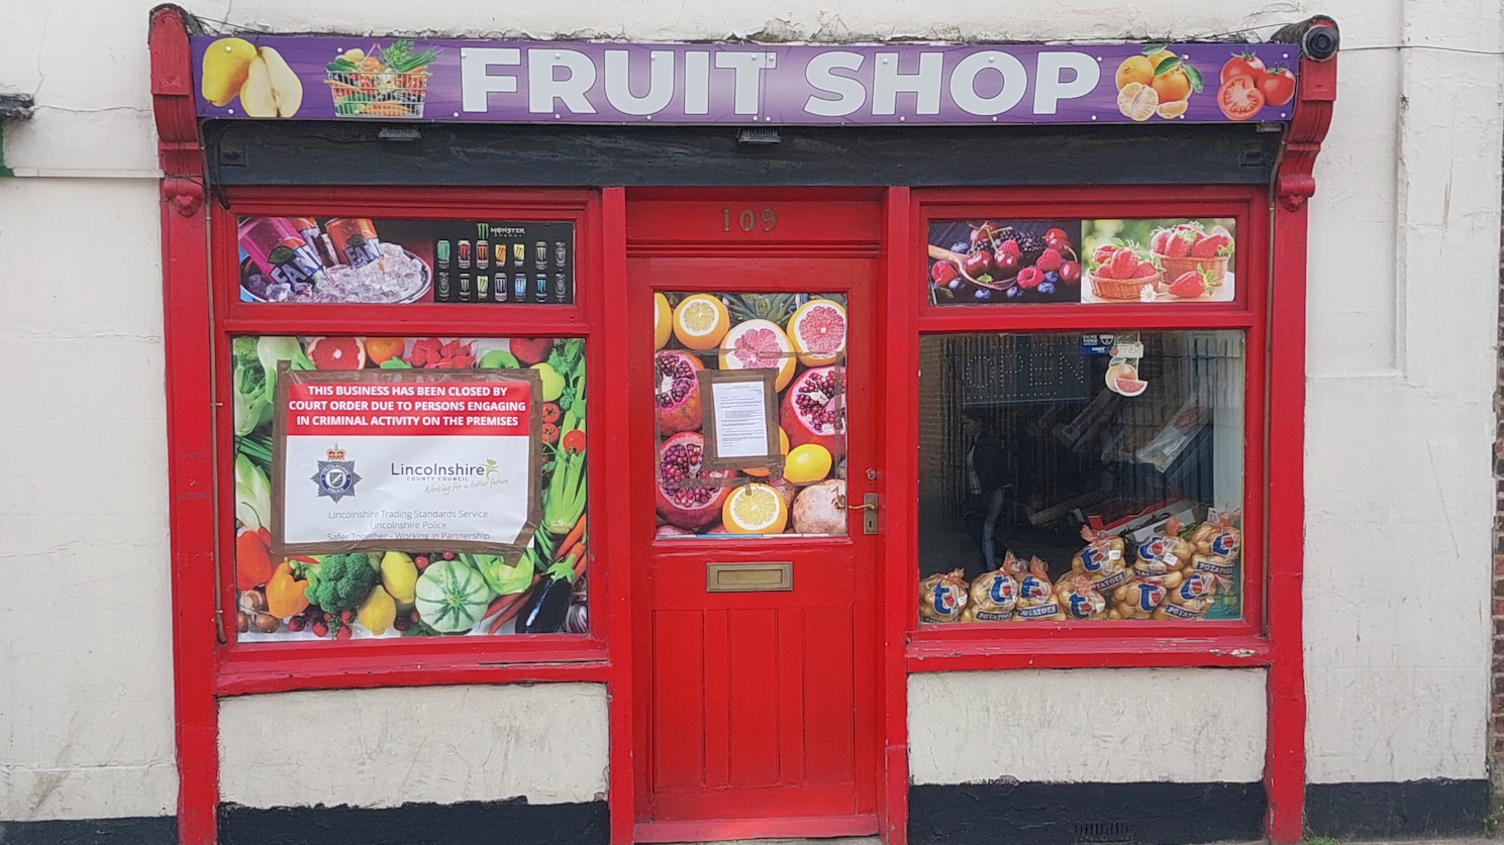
x: 336, y: 477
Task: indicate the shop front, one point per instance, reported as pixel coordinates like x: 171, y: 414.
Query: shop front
x: 954, y: 494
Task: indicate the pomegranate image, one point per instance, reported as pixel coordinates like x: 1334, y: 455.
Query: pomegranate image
x: 677, y: 391
x: 821, y: 508
x: 670, y: 531
x: 688, y: 507
x: 814, y: 408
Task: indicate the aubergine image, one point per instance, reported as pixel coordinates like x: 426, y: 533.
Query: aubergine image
x: 545, y: 610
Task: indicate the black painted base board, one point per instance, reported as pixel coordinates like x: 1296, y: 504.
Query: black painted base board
x: 470, y: 823
x: 1406, y: 809
x: 1012, y: 813
x: 146, y: 830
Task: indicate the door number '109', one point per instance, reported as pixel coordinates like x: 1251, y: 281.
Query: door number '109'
x: 747, y: 220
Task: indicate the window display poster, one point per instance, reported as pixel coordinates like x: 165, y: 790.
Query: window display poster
x: 468, y: 520
x: 770, y: 461
x: 998, y: 262
x: 389, y: 261
x: 369, y: 458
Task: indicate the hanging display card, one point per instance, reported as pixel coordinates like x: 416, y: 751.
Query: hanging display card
x: 741, y: 421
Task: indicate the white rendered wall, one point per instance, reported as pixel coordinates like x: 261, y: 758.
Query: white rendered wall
x: 1402, y: 316
x: 1087, y: 726
x: 439, y: 745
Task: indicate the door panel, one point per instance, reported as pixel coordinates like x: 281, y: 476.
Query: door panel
x: 763, y: 705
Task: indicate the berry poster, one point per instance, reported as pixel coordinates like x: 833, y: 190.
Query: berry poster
x: 452, y: 509
x: 988, y: 262
x: 398, y: 262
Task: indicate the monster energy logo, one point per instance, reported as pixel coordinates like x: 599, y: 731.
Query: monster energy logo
x: 483, y: 231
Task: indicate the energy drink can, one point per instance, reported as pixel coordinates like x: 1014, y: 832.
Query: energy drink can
x: 500, y: 250
x: 540, y: 288
x: 561, y: 254
x: 441, y: 254
x: 274, y: 245
x: 503, y: 288
x: 540, y: 255
x: 482, y: 255
x: 483, y: 288
x: 519, y: 288
x: 464, y: 287
x: 355, y: 240
x: 519, y: 255
x: 442, y: 291
x: 559, y: 288
x: 462, y: 255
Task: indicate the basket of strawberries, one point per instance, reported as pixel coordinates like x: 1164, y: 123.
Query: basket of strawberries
x: 1188, y: 248
x: 1122, y: 271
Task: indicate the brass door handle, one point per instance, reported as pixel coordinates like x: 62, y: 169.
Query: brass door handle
x: 869, y: 512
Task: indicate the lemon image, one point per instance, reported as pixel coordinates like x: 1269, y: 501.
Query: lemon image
x: 755, y: 509
x: 807, y: 464
x: 701, y: 321
x: 1138, y: 101
x: 663, y: 319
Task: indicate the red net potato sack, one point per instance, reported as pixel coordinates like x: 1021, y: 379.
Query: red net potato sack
x: 943, y: 596
x: 1036, y: 595
x: 1163, y: 551
x: 1191, y: 599
x: 993, y: 597
x: 1101, y: 560
x: 1079, y: 599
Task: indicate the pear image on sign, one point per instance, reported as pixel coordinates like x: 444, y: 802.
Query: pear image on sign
x: 259, y: 76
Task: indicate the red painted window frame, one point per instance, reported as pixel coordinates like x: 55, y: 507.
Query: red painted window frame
x: 280, y: 667
x: 997, y: 645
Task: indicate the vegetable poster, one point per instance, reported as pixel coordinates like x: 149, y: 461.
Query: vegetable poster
x: 375, y: 457
x: 390, y: 487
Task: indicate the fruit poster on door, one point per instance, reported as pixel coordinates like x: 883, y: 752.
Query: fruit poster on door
x: 1005, y: 262
x: 447, y: 476
x: 368, y: 458
x: 800, y: 339
x: 394, y: 261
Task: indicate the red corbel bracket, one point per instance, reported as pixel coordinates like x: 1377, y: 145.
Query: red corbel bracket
x: 1316, y: 91
x: 178, y: 150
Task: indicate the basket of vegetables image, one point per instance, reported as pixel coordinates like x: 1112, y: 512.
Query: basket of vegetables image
x: 383, y: 82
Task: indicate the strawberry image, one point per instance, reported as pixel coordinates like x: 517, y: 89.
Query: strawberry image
x: 1124, y: 264
x: 1208, y: 246
x: 1160, y: 243
x: 1190, y: 285
x: 1104, y: 253
x: 1180, y: 245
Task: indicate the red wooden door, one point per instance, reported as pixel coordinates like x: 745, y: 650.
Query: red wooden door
x: 760, y: 708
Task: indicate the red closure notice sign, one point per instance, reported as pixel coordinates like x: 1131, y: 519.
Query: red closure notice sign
x: 369, y: 459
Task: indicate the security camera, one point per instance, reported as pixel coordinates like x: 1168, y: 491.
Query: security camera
x: 1318, y: 37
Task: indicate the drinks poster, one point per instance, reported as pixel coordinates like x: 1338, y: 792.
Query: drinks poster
x: 1165, y: 260
x: 356, y: 260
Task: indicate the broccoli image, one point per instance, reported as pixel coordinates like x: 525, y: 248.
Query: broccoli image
x: 341, y: 582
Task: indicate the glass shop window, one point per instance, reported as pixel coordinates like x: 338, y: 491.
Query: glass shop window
x: 1067, y: 476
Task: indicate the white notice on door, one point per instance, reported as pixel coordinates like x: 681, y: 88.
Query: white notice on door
x: 741, y: 419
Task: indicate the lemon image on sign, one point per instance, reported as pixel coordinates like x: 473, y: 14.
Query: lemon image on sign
x: 755, y: 509
x: 1138, y: 101
x: 807, y: 464
x: 701, y: 321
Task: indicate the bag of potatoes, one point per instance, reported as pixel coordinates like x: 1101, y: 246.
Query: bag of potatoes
x: 1101, y: 560
x: 1080, y: 599
x: 1163, y: 551
x: 993, y: 596
x: 942, y: 596
x: 1036, y: 595
x: 1219, y: 537
x: 1191, y: 599
x: 1139, y: 598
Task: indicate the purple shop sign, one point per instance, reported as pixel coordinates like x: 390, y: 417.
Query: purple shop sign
x: 324, y: 78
